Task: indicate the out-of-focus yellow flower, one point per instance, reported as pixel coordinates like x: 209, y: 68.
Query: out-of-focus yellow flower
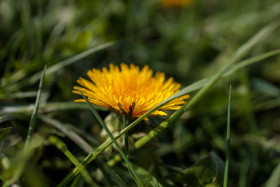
x: 177, y: 3
x: 130, y: 90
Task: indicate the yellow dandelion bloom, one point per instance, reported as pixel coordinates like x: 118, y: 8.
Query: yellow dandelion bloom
x: 129, y: 89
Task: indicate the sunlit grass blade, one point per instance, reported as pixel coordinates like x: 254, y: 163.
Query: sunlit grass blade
x: 35, y: 110
x: 227, y: 141
x: 62, y: 147
x: 128, y: 163
x: 241, y: 52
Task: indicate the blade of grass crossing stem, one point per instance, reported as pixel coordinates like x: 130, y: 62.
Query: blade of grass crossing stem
x: 241, y: 52
x: 193, y: 87
x: 128, y: 164
x: 35, y: 110
x: 62, y: 147
x: 227, y: 141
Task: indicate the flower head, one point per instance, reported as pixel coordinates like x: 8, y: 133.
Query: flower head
x: 129, y: 89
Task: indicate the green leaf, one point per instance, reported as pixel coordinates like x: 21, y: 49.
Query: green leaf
x: 209, y: 170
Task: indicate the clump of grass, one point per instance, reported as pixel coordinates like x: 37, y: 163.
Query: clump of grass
x: 61, y: 144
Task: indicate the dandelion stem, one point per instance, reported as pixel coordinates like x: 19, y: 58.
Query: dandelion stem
x: 125, y: 135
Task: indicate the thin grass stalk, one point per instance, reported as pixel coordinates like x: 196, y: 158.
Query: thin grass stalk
x: 129, y: 165
x: 241, y: 52
x: 46, y: 108
x: 35, y: 110
x: 227, y: 141
x: 71, y: 60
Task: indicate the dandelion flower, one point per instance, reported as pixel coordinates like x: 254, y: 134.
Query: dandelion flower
x: 129, y: 90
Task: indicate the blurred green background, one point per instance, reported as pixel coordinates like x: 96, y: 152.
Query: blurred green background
x: 187, y: 42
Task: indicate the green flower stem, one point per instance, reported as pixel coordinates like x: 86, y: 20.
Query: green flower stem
x: 125, y: 135
x: 129, y: 165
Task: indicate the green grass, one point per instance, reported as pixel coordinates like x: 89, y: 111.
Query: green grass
x: 47, y: 140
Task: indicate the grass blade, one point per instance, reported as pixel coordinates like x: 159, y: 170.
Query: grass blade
x: 71, y: 60
x: 128, y: 163
x: 35, y: 110
x: 227, y: 141
x: 46, y: 107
